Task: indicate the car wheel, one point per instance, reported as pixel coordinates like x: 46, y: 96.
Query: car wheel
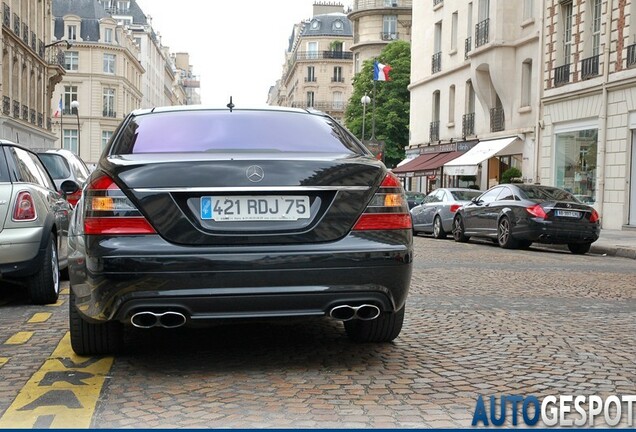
x: 44, y: 286
x: 504, y: 234
x: 579, y: 248
x: 458, y: 230
x: 90, y: 338
x: 384, y: 328
x: 438, y: 229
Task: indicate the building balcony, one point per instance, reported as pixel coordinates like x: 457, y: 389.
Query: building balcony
x: 561, y: 75
x: 468, y: 46
x: 360, y: 5
x: 16, y: 24
x: 589, y: 67
x: 433, y: 132
x: 389, y: 36
x: 337, y: 80
x: 436, y: 62
x: 437, y: 2
x: 16, y: 109
x: 32, y: 116
x: 321, y: 105
x: 311, y: 79
x: 6, y: 15
x: 6, y: 105
x: 40, y: 120
x: 468, y: 124
x: 25, y: 33
x: 497, y: 119
x: 481, y: 33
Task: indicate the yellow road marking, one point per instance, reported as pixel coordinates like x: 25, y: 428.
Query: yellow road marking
x: 40, y: 317
x: 19, y: 338
x: 65, y: 291
x: 62, y: 394
x: 3, y: 361
x: 59, y: 302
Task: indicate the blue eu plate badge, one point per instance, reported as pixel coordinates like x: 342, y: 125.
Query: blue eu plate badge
x: 206, y: 207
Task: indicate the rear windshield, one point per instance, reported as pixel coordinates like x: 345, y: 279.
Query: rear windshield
x: 465, y: 195
x: 56, y: 165
x: 237, y: 131
x: 547, y: 194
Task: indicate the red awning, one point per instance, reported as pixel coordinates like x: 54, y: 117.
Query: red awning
x: 438, y: 161
x: 414, y: 164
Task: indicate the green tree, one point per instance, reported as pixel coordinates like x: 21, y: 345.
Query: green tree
x: 392, y: 105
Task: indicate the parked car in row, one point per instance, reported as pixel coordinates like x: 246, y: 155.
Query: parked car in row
x: 414, y: 198
x: 65, y: 165
x: 34, y: 220
x: 436, y: 212
x: 197, y: 215
x: 516, y: 215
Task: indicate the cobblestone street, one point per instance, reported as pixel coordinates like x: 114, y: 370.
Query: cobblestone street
x: 480, y: 321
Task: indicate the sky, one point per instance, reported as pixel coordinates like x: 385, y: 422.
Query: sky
x: 236, y: 47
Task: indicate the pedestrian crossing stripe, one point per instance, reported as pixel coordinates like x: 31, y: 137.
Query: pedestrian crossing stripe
x: 3, y: 361
x: 63, y: 393
x: 19, y: 338
x: 59, y: 302
x: 40, y: 317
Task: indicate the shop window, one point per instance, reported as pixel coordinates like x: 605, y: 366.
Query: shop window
x: 575, y: 163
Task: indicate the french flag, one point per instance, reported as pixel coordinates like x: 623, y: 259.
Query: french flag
x: 381, y: 72
x: 58, y: 111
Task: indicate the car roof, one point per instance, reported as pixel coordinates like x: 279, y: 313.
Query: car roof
x: 182, y: 108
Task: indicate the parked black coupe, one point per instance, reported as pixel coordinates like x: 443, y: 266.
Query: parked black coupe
x: 199, y: 215
x: 516, y: 215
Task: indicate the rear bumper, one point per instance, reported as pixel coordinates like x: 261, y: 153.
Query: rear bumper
x: 114, y: 278
x: 21, y: 252
x: 541, y: 231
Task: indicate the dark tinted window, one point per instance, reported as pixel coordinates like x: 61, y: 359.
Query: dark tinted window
x: 56, y: 164
x: 4, y: 170
x: 224, y: 131
x: 465, y: 195
x: 490, y: 196
x: 536, y: 193
x: 506, y: 195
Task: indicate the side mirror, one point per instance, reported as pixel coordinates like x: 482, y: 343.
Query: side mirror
x: 69, y: 187
x: 475, y: 200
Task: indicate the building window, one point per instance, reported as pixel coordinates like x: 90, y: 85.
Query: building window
x: 108, y: 35
x: 311, y: 74
x: 566, y: 14
x: 528, y: 13
x: 454, y: 23
x: 575, y: 163
x: 356, y: 62
x: 526, y: 83
x: 337, y: 74
x: 451, y: 104
x: 338, y: 101
x: 70, y: 94
x: 389, y: 27
x: 106, y: 135
x: 596, y: 27
x: 71, y: 60
x: 109, y: 63
x: 72, y: 32
x: 310, y: 99
x: 70, y: 140
x: 109, y: 102
x: 312, y: 50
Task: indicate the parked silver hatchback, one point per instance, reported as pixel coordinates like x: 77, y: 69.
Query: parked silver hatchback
x: 65, y: 165
x: 34, y: 217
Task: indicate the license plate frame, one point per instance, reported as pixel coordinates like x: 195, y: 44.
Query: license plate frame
x: 254, y: 208
x: 573, y: 214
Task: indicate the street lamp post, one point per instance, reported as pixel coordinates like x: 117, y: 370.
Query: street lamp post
x: 75, y: 105
x: 364, y: 100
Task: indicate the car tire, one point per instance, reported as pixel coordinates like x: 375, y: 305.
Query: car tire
x: 438, y: 228
x: 44, y: 286
x: 90, y: 338
x: 579, y: 248
x: 504, y: 234
x: 458, y: 230
x: 384, y: 328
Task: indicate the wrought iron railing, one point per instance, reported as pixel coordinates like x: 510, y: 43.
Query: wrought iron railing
x: 16, y: 109
x: 321, y: 105
x: 468, y: 46
x: 589, y: 67
x: 56, y: 57
x: 318, y: 55
x: 6, y: 105
x: 337, y: 79
x: 497, y: 120
x: 436, y: 62
x: 25, y: 112
x: 379, y: 4
x: 34, y: 42
x: 310, y: 79
x: 25, y: 33
x: 389, y: 36
x: 48, y: 123
x: 433, y: 132
x: 16, y: 24
x: 40, y: 119
x: 631, y: 55
x: 561, y: 75
x: 41, y: 48
x: 436, y: 2
x: 32, y: 115
x: 6, y: 15
x: 109, y: 113
x: 468, y: 124
x: 481, y: 32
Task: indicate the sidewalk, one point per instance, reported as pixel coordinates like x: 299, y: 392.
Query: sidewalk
x: 620, y: 243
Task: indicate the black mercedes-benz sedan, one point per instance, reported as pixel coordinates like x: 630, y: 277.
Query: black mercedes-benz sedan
x: 516, y: 215
x: 199, y: 216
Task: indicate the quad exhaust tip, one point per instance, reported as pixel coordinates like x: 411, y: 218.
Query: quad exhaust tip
x: 365, y: 312
x: 148, y: 319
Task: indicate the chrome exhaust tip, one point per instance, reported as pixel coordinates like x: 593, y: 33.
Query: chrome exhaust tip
x: 144, y: 320
x: 342, y: 313
x: 367, y: 312
x: 171, y: 319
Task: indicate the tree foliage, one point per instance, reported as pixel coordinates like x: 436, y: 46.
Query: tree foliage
x: 391, y: 105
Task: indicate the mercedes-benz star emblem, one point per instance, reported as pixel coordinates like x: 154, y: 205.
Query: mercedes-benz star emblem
x: 255, y: 173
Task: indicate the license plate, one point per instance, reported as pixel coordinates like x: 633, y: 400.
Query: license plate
x: 254, y: 208
x: 568, y: 213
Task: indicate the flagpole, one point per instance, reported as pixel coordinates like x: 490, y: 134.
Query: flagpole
x: 373, y: 117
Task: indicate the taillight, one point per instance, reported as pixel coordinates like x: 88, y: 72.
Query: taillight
x: 108, y: 211
x: 388, y: 209
x: 594, y: 217
x: 454, y: 207
x: 24, y: 209
x: 537, y: 211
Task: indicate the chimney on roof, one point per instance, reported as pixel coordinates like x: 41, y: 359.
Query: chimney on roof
x: 327, y: 7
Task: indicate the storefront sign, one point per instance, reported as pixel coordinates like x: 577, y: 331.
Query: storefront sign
x: 466, y: 145
x: 442, y: 148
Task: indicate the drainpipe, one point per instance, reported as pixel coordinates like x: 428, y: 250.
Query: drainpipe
x: 602, y: 126
x: 539, y: 124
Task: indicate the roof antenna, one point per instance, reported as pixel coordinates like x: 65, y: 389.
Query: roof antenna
x: 230, y: 105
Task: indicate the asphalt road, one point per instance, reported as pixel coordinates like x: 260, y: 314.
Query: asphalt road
x: 480, y: 321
